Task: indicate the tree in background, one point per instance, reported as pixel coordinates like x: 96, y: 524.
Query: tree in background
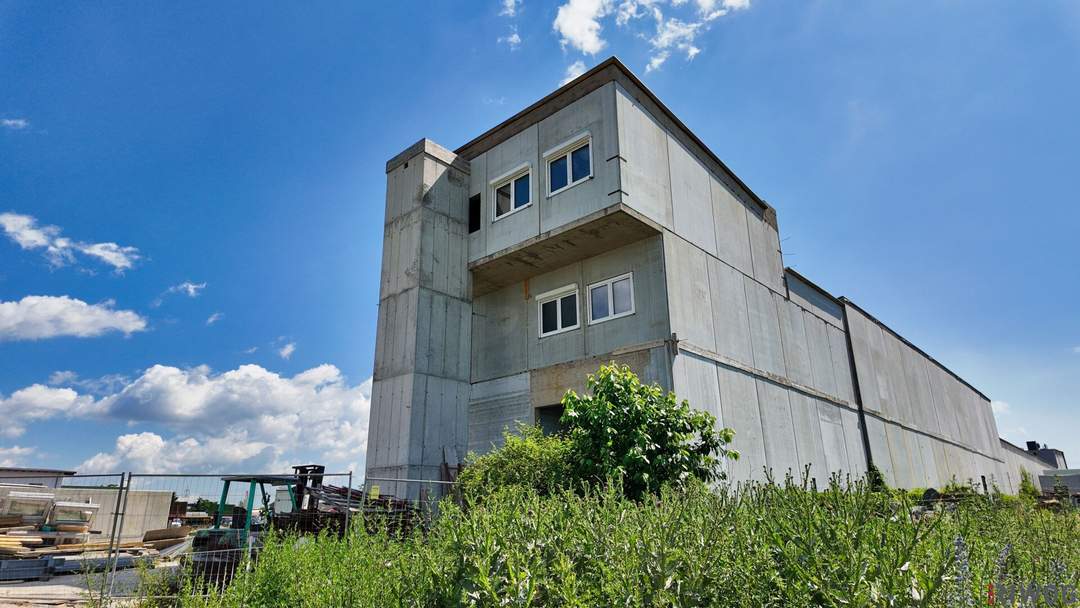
x: 638, y: 435
x: 528, y: 458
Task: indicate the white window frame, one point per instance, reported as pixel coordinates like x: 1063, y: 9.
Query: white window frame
x: 566, y: 149
x: 508, y: 178
x: 611, y: 298
x: 556, y: 295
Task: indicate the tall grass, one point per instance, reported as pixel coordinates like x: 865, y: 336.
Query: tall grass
x: 760, y: 545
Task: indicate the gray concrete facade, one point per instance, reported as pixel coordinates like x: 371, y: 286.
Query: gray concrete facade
x: 807, y: 380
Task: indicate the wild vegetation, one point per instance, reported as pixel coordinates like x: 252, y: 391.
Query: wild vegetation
x: 624, y: 510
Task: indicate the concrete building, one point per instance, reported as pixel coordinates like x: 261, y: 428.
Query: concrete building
x: 594, y: 226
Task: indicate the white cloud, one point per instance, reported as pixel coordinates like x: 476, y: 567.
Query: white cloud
x: 510, y: 8
x: 1076, y: 350
x: 999, y: 407
x: 14, y: 456
x: 62, y: 377
x: 248, y: 418
x: 38, y: 317
x: 251, y: 350
x: 39, y: 402
x: 214, y: 318
x: 512, y: 40
x: 675, y: 33
x: 656, y: 61
x: 191, y: 290
x: 59, y: 251
x: 573, y: 71
x: 286, y: 351
x: 15, y: 124
x: 578, y: 24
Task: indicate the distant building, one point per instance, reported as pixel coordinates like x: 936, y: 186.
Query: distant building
x: 1052, y: 457
x: 48, y: 478
x: 595, y: 226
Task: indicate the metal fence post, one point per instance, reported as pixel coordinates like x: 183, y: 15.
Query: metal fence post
x: 348, y: 508
x: 126, y: 491
x: 113, y: 551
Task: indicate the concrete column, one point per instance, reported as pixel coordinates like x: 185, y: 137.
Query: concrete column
x: 420, y: 392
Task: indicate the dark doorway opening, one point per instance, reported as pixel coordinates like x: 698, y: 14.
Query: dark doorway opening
x: 547, y: 418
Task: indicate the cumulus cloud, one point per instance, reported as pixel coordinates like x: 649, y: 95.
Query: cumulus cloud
x: 14, y: 456
x: 38, y: 317
x: 578, y: 24
x: 25, y: 231
x: 39, y: 402
x: 286, y: 351
x: 214, y: 318
x: 246, y: 418
x: 14, y: 124
x: 573, y: 71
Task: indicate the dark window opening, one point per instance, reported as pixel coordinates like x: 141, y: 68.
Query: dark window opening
x: 474, y: 213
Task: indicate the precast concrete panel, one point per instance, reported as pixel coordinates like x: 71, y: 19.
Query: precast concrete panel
x: 643, y: 149
x: 793, y: 340
x: 879, y: 448
x: 856, y: 449
x: 401, y: 260
x: 897, y: 379
x: 696, y: 382
x: 817, y: 303
x: 781, y: 452
x: 832, y: 439
x: 765, y: 252
x: 842, y: 365
x: 442, y: 255
x: 900, y: 454
x: 821, y: 361
x: 496, y: 405
x: 739, y: 402
x: 396, y: 347
x: 859, y: 328
x: 918, y: 389
x: 808, y: 440
x: 586, y: 115
x: 688, y: 292
x: 691, y: 199
x: 764, y: 328
x: 516, y: 226
x: 732, y: 234
x: 645, y: 260
x: 933, y: 477
x: 500, y: 337
x: 561, y: 347
x: 730, y: 318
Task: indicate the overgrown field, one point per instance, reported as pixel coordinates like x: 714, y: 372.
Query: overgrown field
x: 764, y: 545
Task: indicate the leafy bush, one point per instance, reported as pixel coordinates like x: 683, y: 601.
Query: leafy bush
x: 1028, y: 490
x: 527, y: 459
x: 766, y: 545
x: 640, y: 437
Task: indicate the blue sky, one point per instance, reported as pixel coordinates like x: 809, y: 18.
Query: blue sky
x: 165, y: 165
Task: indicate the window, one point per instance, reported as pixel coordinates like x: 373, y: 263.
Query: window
x: 474, y: 213
x: 512, y: 192
x: 611, y: 299
x: 569, y: 164
x: 558, y: 310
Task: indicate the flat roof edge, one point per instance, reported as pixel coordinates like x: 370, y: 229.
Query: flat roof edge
x: 915, y: 348
x: 432, y: 149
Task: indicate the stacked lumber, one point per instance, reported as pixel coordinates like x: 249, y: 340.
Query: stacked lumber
x: 12, y: 544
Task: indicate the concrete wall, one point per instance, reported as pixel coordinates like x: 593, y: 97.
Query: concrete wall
x: 926, y: 426
x: 420, y: 392
x: 1017, y: 459
x: 146, y: 509
x: 593, y: 114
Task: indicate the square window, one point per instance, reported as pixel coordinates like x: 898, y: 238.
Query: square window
x: 622, y: 296
x: 549, y: 317
x: 521, y: 191
x: 558, y: 174
x: 611, y: 299
x: 580, y: 165
x: 598, y: 301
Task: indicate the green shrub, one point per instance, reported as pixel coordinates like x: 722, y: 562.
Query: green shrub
x: 639, y: 437
x: 765, y: 545
x: 1028, y: 490
x: 527, y: 459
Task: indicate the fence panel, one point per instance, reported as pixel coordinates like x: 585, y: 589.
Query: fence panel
x: 57, y: 535
x: 205, y: 530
